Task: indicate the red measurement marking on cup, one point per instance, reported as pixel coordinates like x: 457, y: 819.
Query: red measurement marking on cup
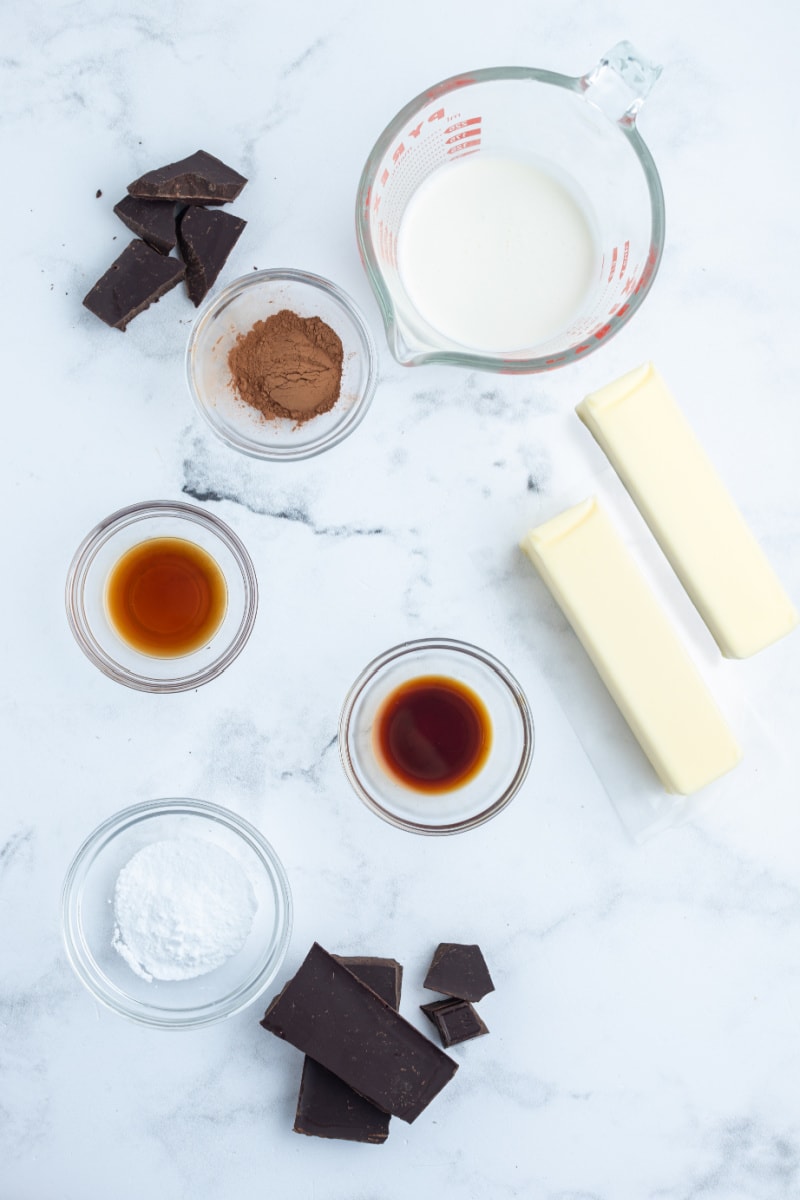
x: 626, y: 251
x: 444, y: 88
x: 461, y: 137
x: 649, y: 269
x: 463, y: 124
x: 465, y: 136
x: 387, y: 244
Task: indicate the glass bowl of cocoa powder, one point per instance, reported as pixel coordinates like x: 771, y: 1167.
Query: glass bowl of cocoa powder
x: 281, y: 364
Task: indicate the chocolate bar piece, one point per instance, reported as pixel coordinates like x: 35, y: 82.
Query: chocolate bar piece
x: 334, y: 1018
x: 206, y: 237
x: 151, y: 220
x: 199, y: 179
x: 138, y: 278
x: 327, y: 1107
x: 459, y: 971
x: 382, y: 975
x: 456, y: 1020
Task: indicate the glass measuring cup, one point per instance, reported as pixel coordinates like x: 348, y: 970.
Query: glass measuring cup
x: 581, y: 129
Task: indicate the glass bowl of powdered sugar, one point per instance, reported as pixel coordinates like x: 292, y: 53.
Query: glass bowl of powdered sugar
x: 176, y: 913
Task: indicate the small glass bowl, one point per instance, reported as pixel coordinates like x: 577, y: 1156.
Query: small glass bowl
x: 87, y: 914
x: 482, y: 796
x: 104, y: 546
x: 234, y: 311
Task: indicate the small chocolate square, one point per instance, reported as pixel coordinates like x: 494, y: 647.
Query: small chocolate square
x: 459, y: 970
x: 456, y: 1020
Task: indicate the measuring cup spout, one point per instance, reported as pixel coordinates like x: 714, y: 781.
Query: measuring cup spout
x: 406, y: 345
x: 399, y: 339
x: 620, y: 83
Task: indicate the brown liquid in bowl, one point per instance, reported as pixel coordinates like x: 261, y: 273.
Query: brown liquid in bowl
x: 166, y: 597
x: 433, y: 733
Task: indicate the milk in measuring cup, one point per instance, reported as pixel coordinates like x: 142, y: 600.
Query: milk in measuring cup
x: 496, y: 253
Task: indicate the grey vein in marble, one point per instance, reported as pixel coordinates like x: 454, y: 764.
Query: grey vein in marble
x: 297, y: 513
x: 311, y: 773
x: 208, y: 479
x: 750, y: 1160
x: 310, y: 52
x: 15, y: 845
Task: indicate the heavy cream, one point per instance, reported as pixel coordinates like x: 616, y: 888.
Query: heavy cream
x: 496, y: 253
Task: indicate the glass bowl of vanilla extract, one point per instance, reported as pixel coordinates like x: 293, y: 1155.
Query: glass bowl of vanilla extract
x: 161, y: 596
x: 436, y: 736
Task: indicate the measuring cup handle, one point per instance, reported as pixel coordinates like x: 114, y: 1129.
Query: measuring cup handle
x: 620, y: 83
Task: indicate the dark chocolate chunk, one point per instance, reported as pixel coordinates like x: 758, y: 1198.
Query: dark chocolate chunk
x: 456, y: 1020
x: 459, y: 971
x: 383, y: 975
x: 206, y: 237
x: 151, y: 220
x: 327, y: 1107
x: 138, y: 278
x: 334, y: 1018
x: 198, y: 179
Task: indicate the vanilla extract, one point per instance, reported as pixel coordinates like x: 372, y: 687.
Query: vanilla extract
x: 433, y: 733
x: 166, y: 597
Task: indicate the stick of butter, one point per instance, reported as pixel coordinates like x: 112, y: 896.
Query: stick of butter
x: 690, y: 512
x: 635, y: 649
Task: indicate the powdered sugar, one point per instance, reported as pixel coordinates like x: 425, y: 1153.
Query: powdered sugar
x: 182, y: 907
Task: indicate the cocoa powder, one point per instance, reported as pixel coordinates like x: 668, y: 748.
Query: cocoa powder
x: 288, y: 366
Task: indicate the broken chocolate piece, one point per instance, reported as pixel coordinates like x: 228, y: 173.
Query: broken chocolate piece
x: 459, y: 971
x: 206, y: 237
x: 151, y: 220
x: 430, y: 1008
x: 382, y: 975
x: 334, y: 1018
x: 327, y: 1107
x: 456, y: 1020
x: 198, y: 179
x: 138, y: 278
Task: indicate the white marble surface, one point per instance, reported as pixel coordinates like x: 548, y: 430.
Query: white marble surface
x: 645, y: 1038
